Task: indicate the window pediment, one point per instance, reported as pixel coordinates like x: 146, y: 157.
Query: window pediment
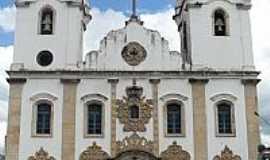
x: 91, y: 97
x: 43, y: 96
x: 223, y: 96
x: 173, y: 96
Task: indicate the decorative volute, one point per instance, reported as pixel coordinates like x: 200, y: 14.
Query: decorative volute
x: 41, y: 155
x: 227, y: 154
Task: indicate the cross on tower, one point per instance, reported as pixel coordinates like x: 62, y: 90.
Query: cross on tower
x: 134, y: 9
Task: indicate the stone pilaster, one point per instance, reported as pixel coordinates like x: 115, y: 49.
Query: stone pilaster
x: 199, y: 118
x: 68, y: 118
x: 155, y: 83
x: 251, y: 101
x: 14, y: 118
x: 113, y: 83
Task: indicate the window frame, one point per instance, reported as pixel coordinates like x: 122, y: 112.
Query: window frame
x: 86, y: 135
x: 34, y: 119
x: 233, y: 127
x: 227, y: 23
x: 46, y: 7
x: 182, y: 120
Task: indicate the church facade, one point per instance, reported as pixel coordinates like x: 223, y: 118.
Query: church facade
x: 133, y: 98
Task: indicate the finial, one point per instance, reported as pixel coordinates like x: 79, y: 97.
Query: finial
x: 134, y: 5
x: 134, y: 82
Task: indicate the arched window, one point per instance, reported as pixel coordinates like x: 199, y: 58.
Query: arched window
x: 174, y: 118
x: 220, y: 23
x: 94, y: 119
x: 134, y: 112
x: 43, y: 118
x: 46, y: 21
x: 225, y: 119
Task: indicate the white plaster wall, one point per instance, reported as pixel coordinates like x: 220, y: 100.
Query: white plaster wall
x: 158, y: 55
x: 238, y: 144
x: 92, y: 86
x: 65, y: 44
x: 30, y: 145
x: 233, y: 52
x: 183, y: 87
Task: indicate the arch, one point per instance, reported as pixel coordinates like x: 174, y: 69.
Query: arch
x: 220, y: 22
x: 223, y: 96
x: 43, y: 96
x: 223, y: 107
x: 91, y: 97
x: 173, y: 96
x: 135, y: 154
x: 46, y: 22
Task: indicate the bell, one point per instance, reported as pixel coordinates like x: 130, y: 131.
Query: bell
x: 220, y: 24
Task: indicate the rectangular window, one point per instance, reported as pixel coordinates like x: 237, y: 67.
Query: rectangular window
x: 174, y: 119
x: 43, y: 124
x: 224, y: 119
x: 94, y: 119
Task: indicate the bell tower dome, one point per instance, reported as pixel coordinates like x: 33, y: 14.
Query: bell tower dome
x: 49, y: 34
x: 215, y: 34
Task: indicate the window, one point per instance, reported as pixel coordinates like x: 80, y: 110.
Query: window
x: 43, y: 119
x: 220, y: 23
x: 174, y: 118
x: 225, y: 119
x: 44, y: 58
x: 185, y: 41
x: 134, y: 112
x: 94, y: 119
x: 46, y: 21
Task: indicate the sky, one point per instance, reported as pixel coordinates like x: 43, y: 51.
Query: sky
x: 111, y: 14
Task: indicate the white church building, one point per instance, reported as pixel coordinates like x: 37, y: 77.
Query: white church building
x: 133, y: 98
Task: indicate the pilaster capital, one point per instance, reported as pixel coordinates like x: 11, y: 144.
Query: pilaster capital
x: 70, y: 81
x: 154, y: 81
x: 250, y: 81
x: 198, y: 80
x: 16, y: 80
x: 113, y: 80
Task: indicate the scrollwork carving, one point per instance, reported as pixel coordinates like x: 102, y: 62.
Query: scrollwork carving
x: 94, y: 152
x: 227, y: 154
x: 133, y: 143
x: 175, y: 152
x: 41, y: 155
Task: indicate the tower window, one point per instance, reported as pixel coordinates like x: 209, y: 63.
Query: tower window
x: 94, y: 119
x: 46, y: 21
x: 174, y: 118
x: 220, y: 23
x: 43, y: 121
x: 44, y: 58
x: 134, y: 112
x: 225, y: 119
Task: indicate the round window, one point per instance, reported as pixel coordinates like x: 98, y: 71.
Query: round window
x: 44, y: 58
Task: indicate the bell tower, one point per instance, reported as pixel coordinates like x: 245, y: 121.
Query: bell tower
x: 215, y: 34
x: 49, y: 34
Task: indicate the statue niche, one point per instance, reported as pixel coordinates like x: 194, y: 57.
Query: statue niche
x: 134, y: 111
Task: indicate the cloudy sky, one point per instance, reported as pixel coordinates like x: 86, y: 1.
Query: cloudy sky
x: 111, y: 14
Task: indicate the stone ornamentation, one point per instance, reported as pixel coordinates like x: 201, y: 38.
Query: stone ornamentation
x: 175, y: 152
x: 134, y: 143
x: 227, y: 154
x: 134, y: 53
x: 41, y: 155
x: 134, y: 98
x: 94, y: 152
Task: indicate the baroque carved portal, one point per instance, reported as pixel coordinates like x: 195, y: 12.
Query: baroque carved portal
x: 134, y: 143
x: 227, y: 154
x: 126, y: 108
x: 94, y: 152
x: 41, y: 155
x: 175, y: 152
x: 135, y: 155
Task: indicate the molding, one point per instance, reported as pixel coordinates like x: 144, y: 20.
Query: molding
x: 90, y: 97
x: 223, y: 96
x: 43, y: 96
x: 173, y: 96
x: 16, y: 80
x: 242, y: 6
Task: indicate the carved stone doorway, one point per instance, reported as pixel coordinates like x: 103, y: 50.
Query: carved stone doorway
x: 135, y: 155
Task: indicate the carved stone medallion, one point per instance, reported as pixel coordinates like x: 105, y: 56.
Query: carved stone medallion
x: 227, y: 154
x: 134, y: 143
x: 175, y: 152
x: 134, y: 98
x: 94, y: 152
x: 134, y: 53
x: 41, y: 155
